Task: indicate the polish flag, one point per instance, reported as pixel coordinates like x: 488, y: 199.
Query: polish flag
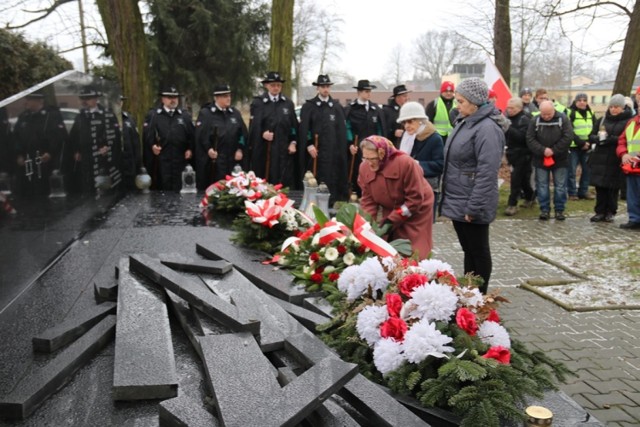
x: 494, y: 80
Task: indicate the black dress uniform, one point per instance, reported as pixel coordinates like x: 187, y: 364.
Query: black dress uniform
x: 325, y: 119
x: 131, y: 156
x: 363, y: 120
x: 174, y: 132
x: 37, y: 133
x: 225, y: 132
x: 278, y: 116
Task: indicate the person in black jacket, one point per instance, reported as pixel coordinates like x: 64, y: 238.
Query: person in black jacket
x: 273, y: 133
x: 38, y: 138
x: 131, y: 153
x: 606, y: 174
x: 518, y: 155
x: 322, y: 120
x: 364, y: 118
x: 168, y: 141
x: 221, y: 137
x: 392, y: 110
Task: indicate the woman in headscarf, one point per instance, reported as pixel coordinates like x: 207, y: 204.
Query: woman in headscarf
x: 393, y: 183
x: 473, y: 154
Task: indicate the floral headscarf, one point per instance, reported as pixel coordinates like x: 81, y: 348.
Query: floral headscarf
x: 383, y: 143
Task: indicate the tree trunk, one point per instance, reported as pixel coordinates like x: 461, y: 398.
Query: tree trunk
x: 502, y: 39
x: 281, y: 51
x: 128, y: 48
x: 630, y: 58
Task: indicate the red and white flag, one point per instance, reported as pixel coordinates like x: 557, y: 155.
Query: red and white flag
x: 494, y: 80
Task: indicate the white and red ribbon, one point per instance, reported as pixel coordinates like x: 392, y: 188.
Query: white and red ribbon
x: 362, y: 230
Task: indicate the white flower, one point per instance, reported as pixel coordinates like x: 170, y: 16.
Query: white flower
x: 388, y: 262
x: 433, y: 301
x: 432, y: 266
x: 470, y: 297
x: 422, y: 340
x: 283, y: 260
x: 348, y: 258
x: 372, y: 274
x: 369, y: 321
x: 329, y: 269
x: 331, y: 254
x: 347, y: 283
x: 306, y: 269
x: 387, y: 355
x: 494, y: 334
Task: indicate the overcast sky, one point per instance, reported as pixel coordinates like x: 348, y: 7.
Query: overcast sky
x: 370, y: 31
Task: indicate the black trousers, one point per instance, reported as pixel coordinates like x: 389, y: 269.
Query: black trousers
x: 606, y: 200
x: 521, y: 180
x: 474, y: 239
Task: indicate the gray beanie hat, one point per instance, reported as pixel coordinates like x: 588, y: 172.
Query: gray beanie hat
x: 474, y: 90
x: 617, y: 100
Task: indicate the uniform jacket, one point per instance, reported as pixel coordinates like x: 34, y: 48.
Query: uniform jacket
x: 225, y: 132
x: 603, y: 161
x: 325, y: 119
x: 556, y: 134
x: 175, y: 135
x: 131, y: 152
x: 280, y: 118
x: 42, y: 131
x: 428, y: 150
x: 399, y: 183
x: 391, y: 111
x: 473, y: 154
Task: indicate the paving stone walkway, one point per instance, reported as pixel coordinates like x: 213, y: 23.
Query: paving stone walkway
x: 601, y: 347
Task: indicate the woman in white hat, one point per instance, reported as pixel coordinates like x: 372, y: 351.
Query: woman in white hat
x: 421, y: 141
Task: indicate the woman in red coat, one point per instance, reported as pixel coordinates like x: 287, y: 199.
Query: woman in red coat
x: 393, y: 183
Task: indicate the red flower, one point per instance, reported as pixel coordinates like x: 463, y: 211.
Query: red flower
x: 501, y: 354
x: 493, y: 316
x: 361, y: 249
x: 320, y: 269
x: 314, y: 256
x: 334, y: 276
x: 342, y: 249
x: 466, y: 321
x: 407, y: 262
x: 394, y: 304
x: 411, y: 281
x: 393, y: 328
x: 449, y: 278
x: 316, y: 277
x: 277, y: 187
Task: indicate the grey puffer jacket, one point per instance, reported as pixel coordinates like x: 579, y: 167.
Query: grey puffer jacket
x: 473, y: 155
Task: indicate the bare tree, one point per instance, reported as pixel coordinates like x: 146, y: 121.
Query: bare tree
x: 595, y: 9
x: 502, y: 39
x: 305, y: 35
x: 396, y: 65
x: 330, y: 44
x: 437, y: 51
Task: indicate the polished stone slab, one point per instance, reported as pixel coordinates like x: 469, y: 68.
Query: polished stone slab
x: 199, y: 266
x: 144, y: 365
x: 247, y: 392
x: 40, y: 382
x: 195, y: 293
x: 378, y: 407
x: 308, y: 318
x: 105, y: 283
x: 275, y: 282
x: 318, y: 305
x: 68, y: 331
x: 183, y: 411
x: 253, y: 303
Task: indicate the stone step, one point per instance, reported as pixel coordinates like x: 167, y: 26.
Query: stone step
x: 184, y: 411
x: 144, y: 364
x: 199, y: 266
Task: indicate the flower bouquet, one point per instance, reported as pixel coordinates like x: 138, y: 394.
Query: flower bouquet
x: 318, y: 255
x: 228, y: 195
x: 266, y: 223
x: 413, y: 327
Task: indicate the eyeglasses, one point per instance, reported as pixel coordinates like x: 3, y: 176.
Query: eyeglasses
x: 370, y: 159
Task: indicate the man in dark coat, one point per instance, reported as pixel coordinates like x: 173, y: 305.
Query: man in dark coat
x: 131, y: 152
x: 273, y: 132
x: 95, y: 145
x: 392, y: 110
x: 221, y: 137
x: 548, y: 138
x: 38, y: 138
x: 518, y: 155
x: 364, y: 118
x: 168, y: 142
x: 322, y: 120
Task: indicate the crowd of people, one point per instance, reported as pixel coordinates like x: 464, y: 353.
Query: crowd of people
x: 406, y: 163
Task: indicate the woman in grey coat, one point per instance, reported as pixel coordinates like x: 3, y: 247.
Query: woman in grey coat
x: 473, y: 154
